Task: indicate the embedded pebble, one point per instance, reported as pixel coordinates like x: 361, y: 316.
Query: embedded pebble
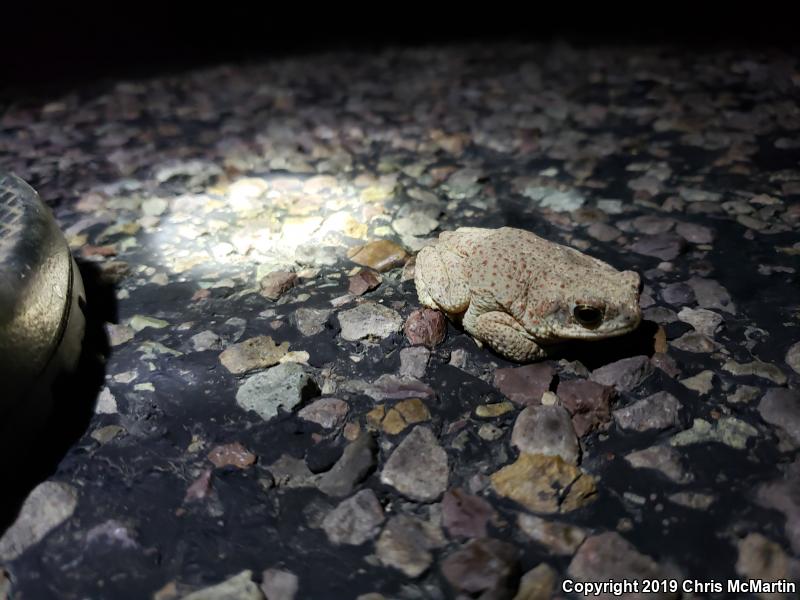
x: 588, y: 402
x: 356, y: 463
x: 465, y: 515
x: 355, y: 520
x: 326, y: 412
x: 311, y: 321
x: 704, y: 321
x: 364, y: 281
x: 702, y: 383
x: 206, y: 340
x: 406, y: 543
x: 277, y: 283
x: 282, y: 386
x: 381, y: 255
x: 793, y: 357
x: 253, y: 354
x: 369, y: 320
x: 665, y: 459
x: 559, y: 538
x: 240, y: 587
x: 418, y: 467
x: 277, y: 584
x: 658, y: 411
x: 425, y: 327
x: 756, y: 368
x: 727, y: 430
x: 625, y: 374
x: 483, y: 566
x: 524, y: 385
x: 414, y: 361
x: 780, y: 407
x: 546, y: 430
x: 47, y: 506
x: 711, y: 294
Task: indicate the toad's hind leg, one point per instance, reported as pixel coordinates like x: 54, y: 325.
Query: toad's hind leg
x: 441, y: 281
x: 504, y: 335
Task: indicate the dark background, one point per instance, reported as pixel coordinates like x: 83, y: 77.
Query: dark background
x: 42, y: 47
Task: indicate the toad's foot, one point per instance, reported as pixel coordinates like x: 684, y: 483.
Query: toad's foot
x: 441, y: 281
x: 504, y: 335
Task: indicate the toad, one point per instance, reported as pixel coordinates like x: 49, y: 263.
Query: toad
x: 519, y: 293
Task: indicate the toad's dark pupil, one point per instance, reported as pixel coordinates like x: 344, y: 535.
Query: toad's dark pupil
x: 588, y: 316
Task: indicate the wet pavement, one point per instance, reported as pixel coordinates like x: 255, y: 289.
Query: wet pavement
x: 279, y: 418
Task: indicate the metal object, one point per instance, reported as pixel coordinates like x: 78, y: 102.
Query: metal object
x: 41, y: 301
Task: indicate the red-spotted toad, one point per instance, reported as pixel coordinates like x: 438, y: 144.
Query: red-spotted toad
x: 519, y: 293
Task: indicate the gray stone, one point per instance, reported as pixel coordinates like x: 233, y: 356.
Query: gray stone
x: 603, y: 232
x: 694, y: 233
x: 206, y: 340
x: 286, y: 385
x: 546, y: 430
x: 666, y: 246
x: 692, y: 341
x: 793, y: 357
x: 757, y: 368
x: 406, y: 543
x: 414, y: 361
x: 702, y: 383
x: 291, y: 472
x: 727, y: 430
x: 314, y: 255
x: 275, y: 284
x: 652, y: 224
x: 744, y: 393
x: 355, y: 520
x: 278, y: 584
x: 252, y: 354
x: 658, y: 411
x: 369, y: 320
x: 761, y: 558
x: 711, y: 294
x: 780, y: 407
x: 693, y: 500
x: 659, y: 314
x: 238, y: 587
x: 783, y: 495
x: 665, y: 459
x: 704, y: 321
x: 624, y: 375
x: 484, y: 566
x: 416, y: 224
x: 356, y: 462
x: 326, y: 412
x: 311, y: 321
x: 418, y: 466
x: 610, y: 556
x: 46, y: 507
x: 464, y: 515
x: 392, y: 387
x: 559, y: 538
x: 677, y: 294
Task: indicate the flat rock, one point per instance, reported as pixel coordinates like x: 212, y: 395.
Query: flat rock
x: 702, y: 383
x: 416, y: 224
x: 711, y: 294
x: 588, y: 402
x: 311, y: 321
x: 537, y: 584
x: 610, y: 556
x: 326, y: 412
x: 231, y: 455
x: 381, y: 255
x: 780, y: 407
x: 283, y: 386
x: 418, y: 467
x: 658, y: 411
x: 425, y: 327
x: 546, y: 430
x: 465, y: 515
x: 783, y: 495
x: 355, y: 520
x: 392, y: 387
x: 414, y: 361
x: 47, y: 506
x: 624, y: 375
x: 406, y: 543
x: 369, y: 319
x: 677, y: 294
x: 664, y: 459
x: 206, y: 340
x: 693, y: 341
x: 364, y: 281
x: 484, y: 566
x: 694, y: 233
x: 275, y: 284
x: 524, y: 385
x: 559, y: 538
x: 544, y: 484
x: 277, y: 584
x: 756, y: 368
x: 356, y: 462
x: 793, y: 357
x: 238, y: 587
x: 727, y: 430
x: 253, y: 354
x: 704, y: 321
x: 666, y: 246
x: 762, y: 558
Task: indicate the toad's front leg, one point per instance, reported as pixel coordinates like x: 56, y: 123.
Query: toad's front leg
x: 441, y: 280
x: 503, y: 334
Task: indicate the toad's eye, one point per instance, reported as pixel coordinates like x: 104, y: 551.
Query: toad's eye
x: 588, y: 316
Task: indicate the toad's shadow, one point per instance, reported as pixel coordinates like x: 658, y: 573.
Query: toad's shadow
x: 31, y: 451
x: 594, y: 354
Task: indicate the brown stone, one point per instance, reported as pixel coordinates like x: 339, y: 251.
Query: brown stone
x: 524, y: 385
x: 425, y: 327
x: 364, y: 281
x: 277, y: 283
x: 485, y: 566
x: 588, y: 402
x: 233, y: 454
x: 255, y: 353
x: 465, y: 515
x: 381, y: 255
x: 544, y: 484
